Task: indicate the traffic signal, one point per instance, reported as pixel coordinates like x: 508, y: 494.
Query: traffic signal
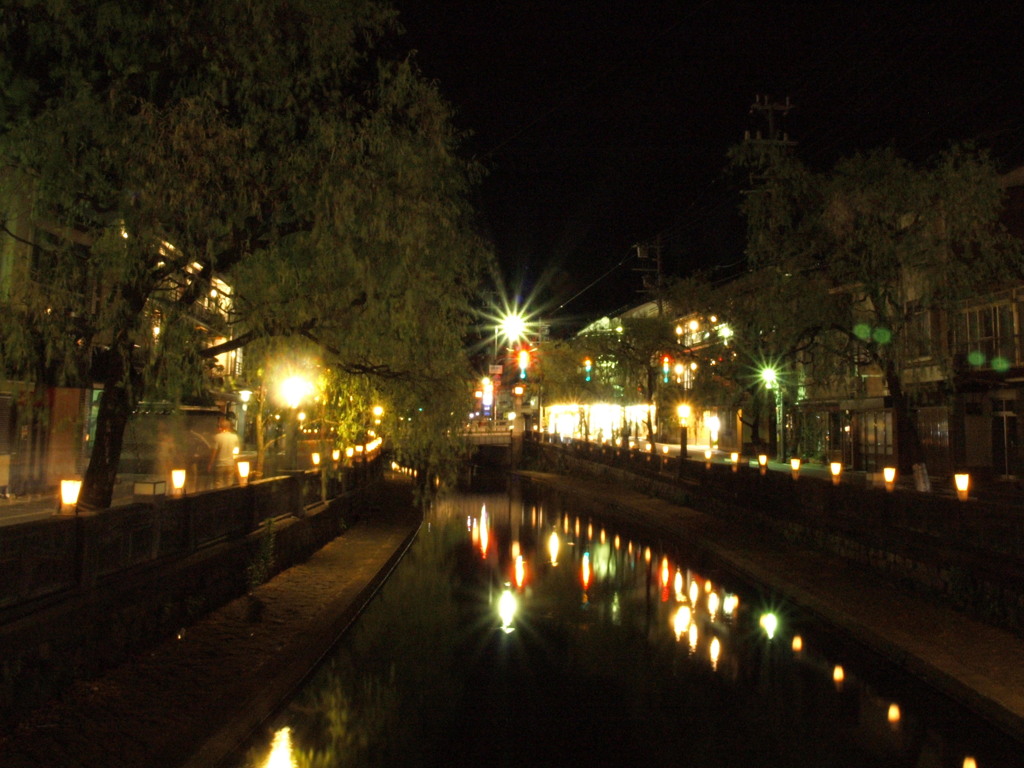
x: 524, y: 362
x: 587, y: 366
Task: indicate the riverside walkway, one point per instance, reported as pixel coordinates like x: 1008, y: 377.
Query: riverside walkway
x: 190, y: 701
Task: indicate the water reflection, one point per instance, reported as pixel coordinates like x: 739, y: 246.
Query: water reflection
x: 511, y: 630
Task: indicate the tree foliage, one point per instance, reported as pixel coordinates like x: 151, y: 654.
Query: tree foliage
x: 858, y: 258
x: 275, y: 144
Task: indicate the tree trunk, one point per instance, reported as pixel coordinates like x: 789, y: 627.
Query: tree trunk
x: 261, y: 447
x: 116, y: 405
x: 906, y: 440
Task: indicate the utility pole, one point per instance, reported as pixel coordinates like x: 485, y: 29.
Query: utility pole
x: 763, y: 106
x: 651, y: 273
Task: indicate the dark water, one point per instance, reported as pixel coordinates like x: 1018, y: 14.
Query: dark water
x: 619, y: 652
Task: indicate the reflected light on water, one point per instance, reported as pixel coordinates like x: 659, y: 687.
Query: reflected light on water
x: 894, y: 713
x: 730, y: 604
x: 281, y: 751
x: 585, y: 570
x: 970, y: 762
x: 713, y: 604
x: 553, y: 547
x: 838, y: 675
x: 693, y: 637
x: 714, y: 652
x: 618, y: 542
x: 694, y: 592
x: 520, y: 571
x: 484, y: 537
x: 678, y: 584
x: 798, y: 643
x: 664, y: 572
x: 681, y: 621
x: 507, y: 606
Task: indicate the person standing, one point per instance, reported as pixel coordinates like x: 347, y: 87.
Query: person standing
x: 222, y: 457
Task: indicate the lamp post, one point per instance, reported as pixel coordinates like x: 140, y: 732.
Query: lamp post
x: 683, y: 412
x: 770, y: 377
x: 293, y: 390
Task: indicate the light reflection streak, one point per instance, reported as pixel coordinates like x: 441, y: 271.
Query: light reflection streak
x: 713, y: 604
x: 553, y: 547
x: 281, y: 750
x: 626, y: 584
x: 507, y: 606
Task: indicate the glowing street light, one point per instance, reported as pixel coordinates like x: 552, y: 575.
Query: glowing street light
x: 294, y: 389
x: 770, y: 377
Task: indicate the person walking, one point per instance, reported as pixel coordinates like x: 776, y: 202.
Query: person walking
x: 222, y: 457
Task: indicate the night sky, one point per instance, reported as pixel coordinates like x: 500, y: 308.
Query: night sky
x: 604, y: 124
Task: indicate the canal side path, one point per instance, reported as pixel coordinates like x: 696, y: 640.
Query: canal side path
x: 189, y: 702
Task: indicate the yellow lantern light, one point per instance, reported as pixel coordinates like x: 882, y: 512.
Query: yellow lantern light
x: 794, y: 465
x: 316, y: 459
x: 962, y: 481
x: 889, y: 476
x: 178, y: 482
x: 836, y: 468
x: 336, y: 454
x: 243, y: 472
x: 69, y: 490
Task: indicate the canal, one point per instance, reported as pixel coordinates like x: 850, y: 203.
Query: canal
x: 519, y: 632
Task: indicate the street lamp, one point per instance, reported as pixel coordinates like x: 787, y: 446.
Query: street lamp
x: 292, y: 391
x: 683, y: 412
x: 770, y: 377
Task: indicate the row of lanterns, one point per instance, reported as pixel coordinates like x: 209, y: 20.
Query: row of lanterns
x: 70, y: 489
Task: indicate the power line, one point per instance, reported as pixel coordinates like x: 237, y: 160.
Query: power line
x: 595, y: 282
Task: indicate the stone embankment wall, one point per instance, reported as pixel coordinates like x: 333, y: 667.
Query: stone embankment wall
x: 968, y: 554
x: 80, y: 594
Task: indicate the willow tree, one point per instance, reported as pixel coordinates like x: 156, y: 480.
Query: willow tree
x: 147, y: 148
x: 885, y: 245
